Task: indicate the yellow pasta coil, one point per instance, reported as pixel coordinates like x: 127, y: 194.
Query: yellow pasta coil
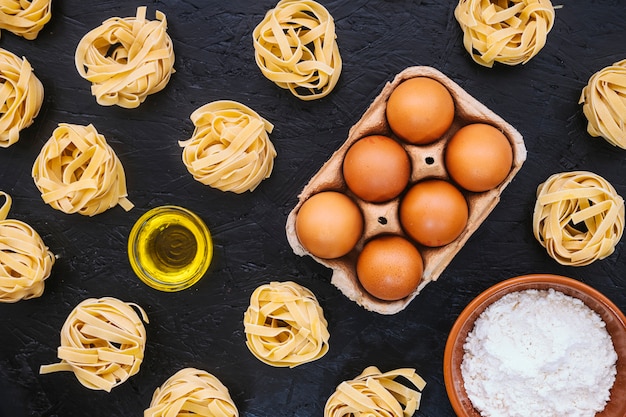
x: 192, y: 392
x: 376, y: 394
x: 506, y: 31
x: 295, y: 47
x: 126, y: 59
x: 25, y: 261
x: 102, y: 342
x: 578, y: 217
x: 21, y: 96
x: 604, y: 104
x: 25, y: 18
x: 285, y: 325
x: 78, y: 172
x: 230, y: 148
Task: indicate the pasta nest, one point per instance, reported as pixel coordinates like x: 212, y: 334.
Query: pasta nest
x: 285, y: 325
x: 21, y: 96
x: 102, y: 342
x: 190, y: 392
x: 506, y: 31
x: 604, y: 99
x: 295, y: 47
x: 230, y: 148
x: 126, y: 59
x: 376, y: 394
x: 578, y: 217
x: 78, y: 172
x: 25, y: 18
x: 25, y: 261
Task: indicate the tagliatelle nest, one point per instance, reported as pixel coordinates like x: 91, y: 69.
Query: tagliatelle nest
x: 102, y: 342
x: 126, y: 59
x: 21, y: 96
x: 285, y: 325
x: 190, y: 392
x: 604, y: 104
x: 78, y: 172
x: 376, y: 394
x: 578, y: 217
x: 25, y: 261
x: 25, y: 18
x: 506, y: 31
x: 295, y: 46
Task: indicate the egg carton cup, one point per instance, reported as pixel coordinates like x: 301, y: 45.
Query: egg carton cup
x: 427, y: 162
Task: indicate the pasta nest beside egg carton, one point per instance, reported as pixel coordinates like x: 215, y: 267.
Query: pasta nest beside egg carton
x: 427, y: 162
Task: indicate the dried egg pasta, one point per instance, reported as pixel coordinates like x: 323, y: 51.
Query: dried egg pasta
x: 190, y: 392
x: 78, y: 172
x: 25, y: 18
x: 578, y: 217
x: 25, y: 261
x: 295, y: 46
x: 376, y: 394
x: 506, y: 31
x: 21, y: 96
x: 126, y: 59
x: 604, y: 104
x: 285, y: 325
x: 102, y: 342
x: 230, y: 149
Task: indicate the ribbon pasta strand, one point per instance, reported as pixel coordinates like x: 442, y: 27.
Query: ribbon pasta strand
x: 604, y: 104
x: 190, y: 392
x: 25, y: 261
x: 578, y: 217
x: 102, y: 342
x: 506, y: 31
x: 230, y: 149
x: 285, y: 325
x: 126, y: 59
x: 78, y: 172
x: 295, y: 47
x: 21, y: 96
x: 25, y: 18
x: 376, y: 394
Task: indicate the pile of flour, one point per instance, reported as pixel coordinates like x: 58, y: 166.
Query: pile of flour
x: 539, y: 353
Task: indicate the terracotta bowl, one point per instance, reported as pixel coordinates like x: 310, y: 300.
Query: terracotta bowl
x: 610, y: 313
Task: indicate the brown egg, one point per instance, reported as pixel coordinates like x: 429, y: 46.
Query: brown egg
x: 420, y: 110
x: 376, y: 168
x: 433, y: 212
x: 329, y: 224
x: 478, y: 157
x: 389, y: 267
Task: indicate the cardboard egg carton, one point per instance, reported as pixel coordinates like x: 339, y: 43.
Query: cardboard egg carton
x: 427, y: 162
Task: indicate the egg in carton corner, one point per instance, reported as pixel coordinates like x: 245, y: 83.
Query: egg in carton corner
x: 427, y: 161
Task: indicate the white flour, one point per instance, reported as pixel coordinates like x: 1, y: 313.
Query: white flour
x: 539, y: 353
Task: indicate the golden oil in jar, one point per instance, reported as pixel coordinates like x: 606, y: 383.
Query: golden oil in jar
x: 170, y: 248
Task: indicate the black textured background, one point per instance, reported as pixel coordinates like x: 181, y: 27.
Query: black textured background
x: 202, y: 326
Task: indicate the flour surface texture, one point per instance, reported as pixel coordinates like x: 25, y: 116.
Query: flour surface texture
x: 539, y: 353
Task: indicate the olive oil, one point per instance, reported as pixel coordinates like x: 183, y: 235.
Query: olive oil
x: 170, y: 248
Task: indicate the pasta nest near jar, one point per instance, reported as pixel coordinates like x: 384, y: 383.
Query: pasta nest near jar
x: 25, y: 18
x: 604, y: 104
x: 506, y: 31
x: 21, y: 97
x: 126, y: 59
x: 578, y: 217
x: 102, y: 343
x: 230, y: 148
x: 76, y: 171
x: 285, y: 325
x: 25, y: 261
x: 194, y: 392
x: 296, y: 47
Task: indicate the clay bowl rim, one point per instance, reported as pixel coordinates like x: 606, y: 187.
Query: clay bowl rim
x: 611, y: 314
